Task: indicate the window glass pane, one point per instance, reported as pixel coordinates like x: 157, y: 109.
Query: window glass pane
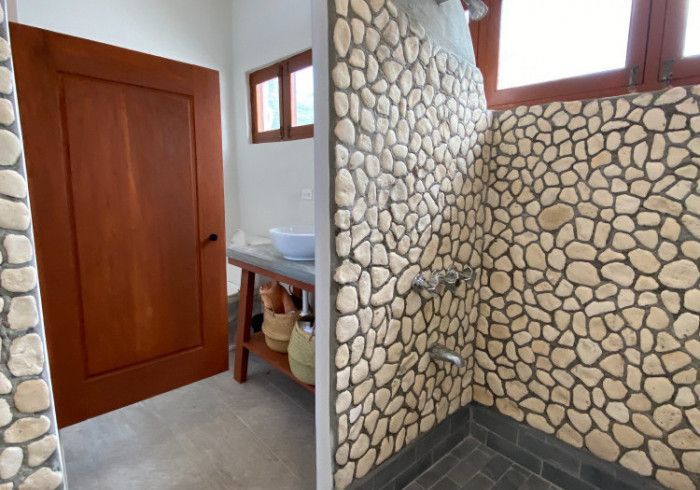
x: 303, y: 96
x: 691, y: 46
x: 268, y: 102
x: 554, y: 39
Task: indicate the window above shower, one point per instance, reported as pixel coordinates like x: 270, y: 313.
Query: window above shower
x: 585, y: 48
x: 563, y: 45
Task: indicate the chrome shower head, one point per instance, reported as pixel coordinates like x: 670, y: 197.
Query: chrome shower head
x: 477, y: 9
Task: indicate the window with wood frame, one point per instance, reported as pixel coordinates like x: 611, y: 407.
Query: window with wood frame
x: 282, y: 100
x: 536, y: 52
x: 680, y: 49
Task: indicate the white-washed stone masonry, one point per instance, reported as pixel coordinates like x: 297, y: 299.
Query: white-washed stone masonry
x: 590, y: 295
x: 410, y: 127
x: 29, y: 455
x: 581, y: 220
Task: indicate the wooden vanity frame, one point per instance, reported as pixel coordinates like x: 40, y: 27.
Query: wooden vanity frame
x: 246, y: 340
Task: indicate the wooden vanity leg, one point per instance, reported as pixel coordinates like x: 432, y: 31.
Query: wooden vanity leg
x: 245, y: 313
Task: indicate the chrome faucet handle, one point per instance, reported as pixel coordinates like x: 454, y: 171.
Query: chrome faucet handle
x: 431, y: 286
x: 467, y: 274
x: 450, y: 278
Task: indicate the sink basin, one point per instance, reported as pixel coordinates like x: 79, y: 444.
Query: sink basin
x: 294, y: 242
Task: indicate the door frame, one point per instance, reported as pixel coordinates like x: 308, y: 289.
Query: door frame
x: 323, y: 169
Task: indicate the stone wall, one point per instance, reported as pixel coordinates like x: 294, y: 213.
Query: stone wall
x: 409, y: 125
x: 590, y: 297
x: 581, y: 219
x: 29, y: 456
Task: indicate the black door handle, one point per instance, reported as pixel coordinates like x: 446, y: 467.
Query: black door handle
x: 213, y: 237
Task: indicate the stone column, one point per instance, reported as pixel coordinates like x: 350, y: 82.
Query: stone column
x: 29, y: 451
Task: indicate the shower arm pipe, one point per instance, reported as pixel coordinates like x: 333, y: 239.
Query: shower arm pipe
x: 305, y: 310
x: 439, y: 352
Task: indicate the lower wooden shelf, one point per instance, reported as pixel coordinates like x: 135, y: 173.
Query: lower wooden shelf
x: 278, y: 360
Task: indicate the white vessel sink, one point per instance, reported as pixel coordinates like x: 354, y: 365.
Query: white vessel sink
x: 294, y: 242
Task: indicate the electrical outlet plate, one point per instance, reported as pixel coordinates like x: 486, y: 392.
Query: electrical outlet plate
x: 307, y: 195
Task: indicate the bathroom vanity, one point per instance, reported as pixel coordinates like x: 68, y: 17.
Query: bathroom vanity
x: 266, y: 261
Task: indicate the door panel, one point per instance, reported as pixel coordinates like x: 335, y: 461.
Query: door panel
x: 123, y: 155
x: 135, y: 220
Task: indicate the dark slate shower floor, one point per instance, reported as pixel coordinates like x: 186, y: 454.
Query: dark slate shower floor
x: 474, y: 466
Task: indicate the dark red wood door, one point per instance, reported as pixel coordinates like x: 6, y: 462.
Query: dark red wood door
x: 123, y: 154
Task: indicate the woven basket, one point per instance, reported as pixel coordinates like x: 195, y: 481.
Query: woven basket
x: 277, y: 328
x: 301, y: 355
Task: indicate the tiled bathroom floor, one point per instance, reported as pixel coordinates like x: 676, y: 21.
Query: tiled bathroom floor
x: 474, y: 466
x: 213, y: 434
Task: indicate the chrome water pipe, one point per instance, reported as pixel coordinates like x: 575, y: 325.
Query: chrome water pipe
x: 441, y: 353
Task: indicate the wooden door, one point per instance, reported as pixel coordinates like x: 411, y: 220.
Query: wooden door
x: 123, y: 154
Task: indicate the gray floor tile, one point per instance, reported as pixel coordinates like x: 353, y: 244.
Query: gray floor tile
x: 535, y: 482
x: 496, y: 467
x: 413, y: 486
x: 464, y: 471
x: 513, y: 479
x: 445, y: 484
x: 479, y: 467
x: 478, y: 482
x: 213, y: 434
x: 465, y: 447
x: 437, y: 471
x: 478, y: 457
x: 487, y: 449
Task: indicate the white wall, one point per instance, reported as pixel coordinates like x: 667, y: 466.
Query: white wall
x: 270, y: 176
x: 197, y: 32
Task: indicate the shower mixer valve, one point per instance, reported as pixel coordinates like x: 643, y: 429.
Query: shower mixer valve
x: 452, y: 278
x: 438, y: 281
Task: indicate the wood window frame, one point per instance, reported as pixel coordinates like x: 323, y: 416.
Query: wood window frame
x: 655, y: 38
x: 294, y: 64
x: 255, y: 79
x: 673, y: 67
x: 281, y: 70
